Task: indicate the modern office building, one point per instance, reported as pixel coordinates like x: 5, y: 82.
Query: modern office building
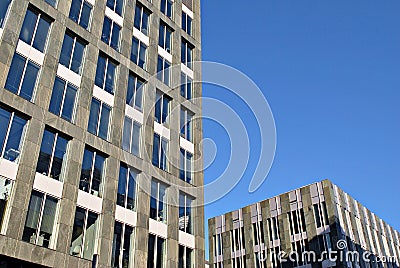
x: 299, y: 229
x: 98, y: 136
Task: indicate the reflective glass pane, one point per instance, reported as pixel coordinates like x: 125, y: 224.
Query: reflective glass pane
x: 29, y: 82
x: 66, y: 50
x: 94, y: 116
x: 126, y: 137
x: 85, y: 16
x: 127, y: 242
x: 28, y: 27
x: 118, y: 6
x: 164, y: 153
x: 100, y: 71
x: 145, y: 22
x: 86, y: 171
x: 90, y: 236
x: 75, y: 10
x: 153, y: 200
x: 76, y: 64
x: 78, y: 232
x: 41, y: 34
x: 12, y: 150
x: 4, y: 122
x: 122, y: 180
x: 135, y: 49
x: 138, y: 14
x: 32, y: 218
x: 104, y: 122
x: 47, y: 223
x: 115, y: 36
x: 105, y: 36
x: 109, y: 87
x: 131, y: 190
x: 3, y: 10
x: 15, y: 74
x: 156, y: 148
x: 135, y: 149
x: 59, y: 153
x: 139, y: 94
x: 142, y: 56
x: 57, y: 96
x: 97, y: 174
x: 46, y: 150
x: 116, y: 249
x: 69, y: 103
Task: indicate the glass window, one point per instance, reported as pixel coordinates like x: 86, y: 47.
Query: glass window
x: 273, y: 228
x: 162, y: 108
x: 186, y: 53
x: 116, y: 6
x: 21, y: 79
x: 81, y: 12
x: 185, y: 171
x: 84, y: 232
x: 52, y: 152
x: 4, y: 4
x: 138, y: 53
x: 185, y: 257
x: 110, y: 33
x: 35, y: 30
x: 186, y: 23
x: 105, y: 74
x: 123, y: 237
x: 127, y: 187
x: 134, y: 94
x: 156, y: 252
x: 185, y: 213
x: 131, y: 136
x: 158, y: 201
x: 53, y: 3
x: 92, y: 172
x: 160, y: 151
x: 12, y: 128
x: 99, y: 119
x: 186, y: 124
x: 72, y: 53
x: 40, y: 220
x: 141, y: 21
x: 218, y: 247
x: 5, y: 191
x: 166, y: 8
x: 186, y: 86
x: 62, y: 101
x: 163, y: 70
x: 164, y: 38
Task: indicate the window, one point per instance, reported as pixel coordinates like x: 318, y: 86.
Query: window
x: 258, y: 233
x: 187, y: 53
x: 92, y: 172
x: 185, y: 257
x: 131, y: 136
x: 105, y: 74
x: 39, y: 222
x: 320, y: 214
x: 116, y: 6
x: 52, y: 152
x: 185, y: 171
x: 186, y: 124
x: 218, y: 247
x: 141, y: 19
x: 185, y: 214
x: 160, y: 151
x: 237, y: 236
x: 123, y: 235
x: 5, y: 191
x: 99, y: 119
x: 186, y: 86
x: 186, y: 23
x: 134, y: 93
x: 162, y: 108
x: 35, y: 30
x: 126, y: 187
x: 110, y: 33
x: 12, y: 128
x: 138, y: 53
x: 53, y: 3
x: 4, y: 4
x: 84, y: 232
x: 164, y: 38
x: 166, y: 8
x: 158, y: 202
x: 72, y: 52
x: 297, y: 221
x: 163, y: 70
x: 81, y: 12
x: 273, y: 228
x: 21, y: 79
x: 62, y: 101
x: 156, y: 252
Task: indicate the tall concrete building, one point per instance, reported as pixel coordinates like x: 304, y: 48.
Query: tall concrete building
x: 98, y: 136
x: 318, y: 225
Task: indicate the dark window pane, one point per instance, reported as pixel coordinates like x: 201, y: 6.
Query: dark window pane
x: 142, y: 56
x: 29, y: 82
x: 119, y: 6
x: 135, y: 49
x: 4, y: 122
x: 126, y: 137
x: 57, y: 96
x: 77, y: 232
x: 100, y: 71
x: 123, y: 174
x: 131, y: 190
x: 161, y: 36
x: 94, y: 116
x: 85, y: 16
x: 164, y: 152
x: 46, y: 150
x: 135, y: 139
x: 139, y: 95
x: 41, y: 34
x: 47, y: 223
x: 32, y: 218
x: 12, y: 149
x: 138, y: 13
x: 189, y: 25
x: 86, y: 170
x: 97, y: 174
x: 3, y: 10
x: 165, y: 111
x: 151, y: 256
x: 115, y: 37
x: 145, y: 22
x: 59, y: 152
x: 105, y: 36
x: 156, y: 147
x: 109, y: 87
x: 76, y: 64
x: 66, y: 50
x: 158, y: 108
x: 182, y: 164
x: 28, y: 27
x: 75, y: 10
x: 51, y: 2
x: 166, y: 72
x: 116, y: 249
x: 15, y: 74
x: 130, y: 90
x: 69, y: 103
x: 104, y: 121
x: 127, y: 243
x: 184, y: 17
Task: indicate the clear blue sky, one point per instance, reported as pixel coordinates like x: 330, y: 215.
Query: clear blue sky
x: 331, y: 73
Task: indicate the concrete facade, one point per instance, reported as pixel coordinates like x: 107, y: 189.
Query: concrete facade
x: 316, y: 218
x: 36, y: 111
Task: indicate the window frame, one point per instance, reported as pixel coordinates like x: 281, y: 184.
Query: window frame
x: 162, y: 158
x: 115, y: 7
x: 186, y: 89
x: 163, y: 71
x: 186, y: 124
x: 108, y: 61
x: 162, y: 99
x: 136, y: 80
x: 62, y: 103
x: 92, y: 169
x: 102, y: 106
x: 185, y: 158
x: 186, y: 255
x: 133, y: 124
x: 187, y: 51
x: 186, y: 203
x: 143, y: 10
x: 168, y: 6
x: 140, y: 47
x: 78, y: 20
x: 76, y: 39
x: 122, y: 250
x: 160, y: 186
x: 129, y: 170
x: 165, y: 34
x: 187, y: 23
x: 110, y: 35
x: 154, y: 257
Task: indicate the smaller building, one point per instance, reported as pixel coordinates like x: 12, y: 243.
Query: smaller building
x: 318, y: 225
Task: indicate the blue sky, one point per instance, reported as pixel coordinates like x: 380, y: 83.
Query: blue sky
x: 330, y: 71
